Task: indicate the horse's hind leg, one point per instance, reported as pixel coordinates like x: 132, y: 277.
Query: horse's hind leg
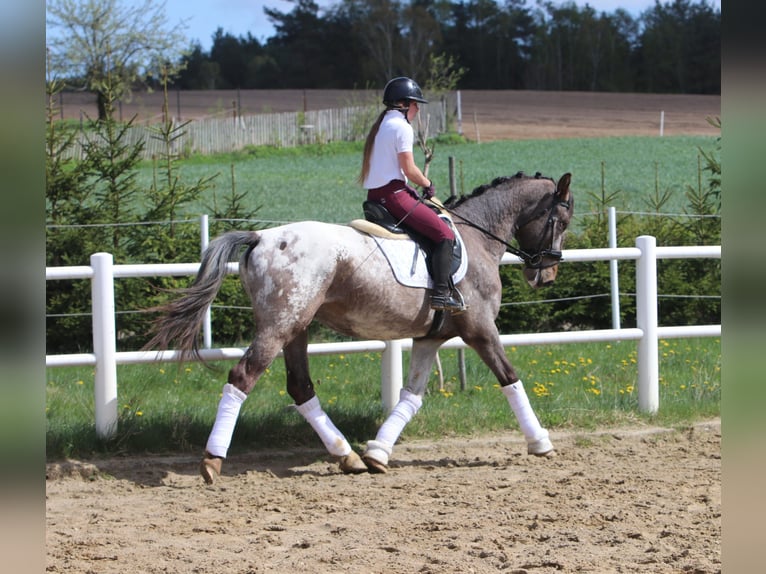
x: 242, y: 378
x: 301, y: 389
x: 378, y: 451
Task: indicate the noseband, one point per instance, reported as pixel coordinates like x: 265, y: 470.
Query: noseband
x: 535, y: 260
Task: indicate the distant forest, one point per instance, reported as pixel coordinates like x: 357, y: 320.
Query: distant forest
x: 672, y: 47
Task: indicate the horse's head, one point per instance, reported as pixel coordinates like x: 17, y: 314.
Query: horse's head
x: 541, y: 234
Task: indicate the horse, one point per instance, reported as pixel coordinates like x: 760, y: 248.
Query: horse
x: 337, y: 275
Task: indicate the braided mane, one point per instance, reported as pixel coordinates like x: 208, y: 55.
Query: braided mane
x: 519, y: 175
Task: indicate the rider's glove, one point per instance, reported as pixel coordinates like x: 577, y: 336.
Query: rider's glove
x: 429, y: 192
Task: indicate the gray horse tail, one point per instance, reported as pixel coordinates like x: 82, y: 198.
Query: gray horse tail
x: 181, y: 320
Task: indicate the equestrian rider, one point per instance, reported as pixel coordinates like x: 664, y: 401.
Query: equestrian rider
x: 388, y: 164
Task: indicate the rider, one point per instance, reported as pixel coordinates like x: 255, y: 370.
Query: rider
x: 388, y: 164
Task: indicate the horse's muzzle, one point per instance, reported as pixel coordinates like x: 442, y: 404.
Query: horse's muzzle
x: 540, y: 277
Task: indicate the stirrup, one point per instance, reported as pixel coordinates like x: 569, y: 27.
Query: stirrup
x: 446, y: 302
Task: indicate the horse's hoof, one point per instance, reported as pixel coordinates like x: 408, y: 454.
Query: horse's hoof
x: 374, y: 466
x: 549, y: 454
x: 210, y: 467
x: 375, y: 456
x: 542, y: 447
x: 352, y: 464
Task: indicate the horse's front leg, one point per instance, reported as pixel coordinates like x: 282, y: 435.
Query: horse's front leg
x: 491, y: 351
x: 301, y: 389
x: 378, y: 451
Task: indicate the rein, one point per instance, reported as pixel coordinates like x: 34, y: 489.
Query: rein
x: 532, y: 261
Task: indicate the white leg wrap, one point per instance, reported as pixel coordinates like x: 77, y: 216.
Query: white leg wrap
x: 228, y: 410
x: 332, y: 438
x: 536, y: 435
x: 380, y: 449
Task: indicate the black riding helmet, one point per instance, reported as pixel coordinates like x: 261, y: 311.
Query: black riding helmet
x: 400, y: 89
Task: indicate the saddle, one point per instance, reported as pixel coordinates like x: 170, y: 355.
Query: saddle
x: 378, y: 222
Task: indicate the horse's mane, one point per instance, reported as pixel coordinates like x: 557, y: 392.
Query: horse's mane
x: 518, y: 176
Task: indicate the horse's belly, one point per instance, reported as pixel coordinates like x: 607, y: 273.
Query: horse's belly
x: 371, y: 322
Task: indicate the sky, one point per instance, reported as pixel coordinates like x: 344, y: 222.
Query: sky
x: 238, y: 17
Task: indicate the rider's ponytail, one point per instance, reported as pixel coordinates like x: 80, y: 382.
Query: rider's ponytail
x: 368, y: 143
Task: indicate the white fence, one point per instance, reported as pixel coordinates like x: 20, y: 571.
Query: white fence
x: 647, y: 332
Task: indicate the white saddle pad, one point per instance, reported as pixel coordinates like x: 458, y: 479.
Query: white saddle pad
x: 408, y: 260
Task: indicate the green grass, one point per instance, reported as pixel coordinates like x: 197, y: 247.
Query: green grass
x: 167, y: 408
x: 320, y: 182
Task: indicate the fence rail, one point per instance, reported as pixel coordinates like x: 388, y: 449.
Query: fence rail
x: 647, y: 332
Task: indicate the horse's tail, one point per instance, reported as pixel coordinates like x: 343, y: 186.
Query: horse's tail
x: 181, y: 320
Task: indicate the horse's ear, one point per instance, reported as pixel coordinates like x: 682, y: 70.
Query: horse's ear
x: 562, y: 187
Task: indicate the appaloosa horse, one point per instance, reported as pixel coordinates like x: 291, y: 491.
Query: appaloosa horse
x: 339, y: 276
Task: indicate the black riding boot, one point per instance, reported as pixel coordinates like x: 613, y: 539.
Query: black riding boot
x: 441, y: 295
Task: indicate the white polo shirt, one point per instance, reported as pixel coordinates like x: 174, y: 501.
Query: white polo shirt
x: 394, y: 137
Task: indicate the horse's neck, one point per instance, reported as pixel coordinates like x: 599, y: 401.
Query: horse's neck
x: 492, y: 222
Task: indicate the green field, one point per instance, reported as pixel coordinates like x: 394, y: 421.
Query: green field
x: 320, y: 183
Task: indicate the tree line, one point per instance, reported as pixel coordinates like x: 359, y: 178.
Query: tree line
x: 672, y: 47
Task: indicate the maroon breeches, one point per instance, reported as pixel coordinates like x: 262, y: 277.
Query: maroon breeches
x: 402, y: 202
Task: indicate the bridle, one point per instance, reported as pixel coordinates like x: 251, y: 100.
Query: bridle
x: 536, y: 260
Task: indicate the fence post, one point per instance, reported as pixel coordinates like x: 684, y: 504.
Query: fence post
x: 646, y: 320
x: 104, y: 344
x: 391, y: 374
x: 459, y: 113
x: 204, y: 232
x: 613, y: 277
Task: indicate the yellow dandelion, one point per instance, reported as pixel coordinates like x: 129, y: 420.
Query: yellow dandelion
x: 139, y: 413
x: 540, y: 390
